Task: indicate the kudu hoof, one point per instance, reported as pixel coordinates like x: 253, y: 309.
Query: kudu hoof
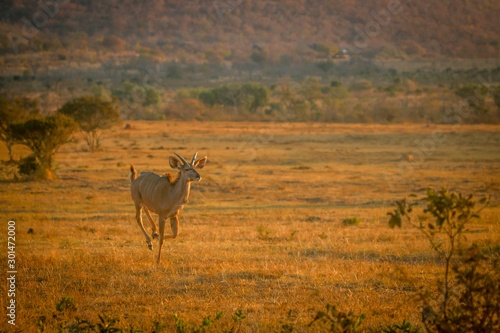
x: 150, y: 246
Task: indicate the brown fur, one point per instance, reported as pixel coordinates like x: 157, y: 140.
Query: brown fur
x: 170, y: 178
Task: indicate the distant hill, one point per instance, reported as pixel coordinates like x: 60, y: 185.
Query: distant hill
x: 279, y: 31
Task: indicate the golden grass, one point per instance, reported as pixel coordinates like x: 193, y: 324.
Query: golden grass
x: 263, y: 230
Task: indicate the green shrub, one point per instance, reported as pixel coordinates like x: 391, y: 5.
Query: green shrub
x: 351, y: 221
x: 360, y: 85
x: 335, y: 83
x: 207, y: 324
x: 404, y: 327
x: 333, y: 320
x: 66, y: 303
x: 468, y: 297
x: 263, y: 232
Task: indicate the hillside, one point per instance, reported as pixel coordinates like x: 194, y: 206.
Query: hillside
x: 287, y: 31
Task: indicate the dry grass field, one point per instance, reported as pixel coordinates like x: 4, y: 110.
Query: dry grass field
x: 263, y: 231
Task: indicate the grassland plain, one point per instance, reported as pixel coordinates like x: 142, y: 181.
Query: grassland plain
x: 262, y: 232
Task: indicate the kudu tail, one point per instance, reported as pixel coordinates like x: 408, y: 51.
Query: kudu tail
x: 133, y: 173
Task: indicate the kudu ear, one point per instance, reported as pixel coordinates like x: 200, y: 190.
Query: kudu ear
x: 200, y: 163
x: 175, y: 163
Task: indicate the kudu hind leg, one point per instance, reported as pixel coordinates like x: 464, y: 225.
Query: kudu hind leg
x: 174, y: 223
x: 139, y: 222
x: 154, y: 233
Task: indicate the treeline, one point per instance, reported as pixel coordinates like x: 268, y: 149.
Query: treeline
x: 356, y: 102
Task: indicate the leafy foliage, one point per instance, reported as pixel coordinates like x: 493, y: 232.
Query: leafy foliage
x: 325, y: 66
x: 475, y: 297
x: 207, y: 324
x: 404, y: 327
x: 351, y: 221
x: 13, y: 112
x: 106, y: 324
x: 250, y: 95
x: 44, y: 136
x: 469, y: 295
x: 66, y: 303
x: 92, y: 115
x: 334, y: 320
x: 474, y: 97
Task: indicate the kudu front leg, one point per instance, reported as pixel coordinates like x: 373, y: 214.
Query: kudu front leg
x: 162, y: 236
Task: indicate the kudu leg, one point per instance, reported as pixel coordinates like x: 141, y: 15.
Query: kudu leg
x: 139, y: 222
x: 162, y: 231
x: 154, y: 233
x: 174, y: 223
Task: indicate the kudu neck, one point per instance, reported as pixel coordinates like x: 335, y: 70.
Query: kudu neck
x: 183, y: 185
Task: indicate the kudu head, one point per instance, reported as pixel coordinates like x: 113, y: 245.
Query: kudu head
x: 188, y: 169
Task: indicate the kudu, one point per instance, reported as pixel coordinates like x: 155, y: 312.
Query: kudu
x: 164, y: 196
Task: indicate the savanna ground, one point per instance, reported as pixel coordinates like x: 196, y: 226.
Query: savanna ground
x: 263, y: 231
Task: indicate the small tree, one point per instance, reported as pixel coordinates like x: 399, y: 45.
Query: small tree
x: 259, y: 57
x: 469, y: 296
x: 152, y: 96
x: 44, y: 136
x: 11, y: 113
x: 325, y: 66
x: 93, y: 115
x: 256, y: 95
x: 475, y: 98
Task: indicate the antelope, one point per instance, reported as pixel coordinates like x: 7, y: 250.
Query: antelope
x: 164, y: 196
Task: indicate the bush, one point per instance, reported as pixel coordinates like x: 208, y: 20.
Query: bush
x: 335, y: 83
x: 207, y: 324
x: 336, y: 321
x: 174, y: 71
x: 468, y: 298
x: 66, y: 303
x: 351, y: 221
x: 13, y: 112
x: 360, y: 85
x: 44, y: 136
x: 474, y: 96
x: 475, y: 297
x: 114, y: 44
x: 153, y: 97
x: 325, y: 66
x: 250, y: 95
x: 404, y: 327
